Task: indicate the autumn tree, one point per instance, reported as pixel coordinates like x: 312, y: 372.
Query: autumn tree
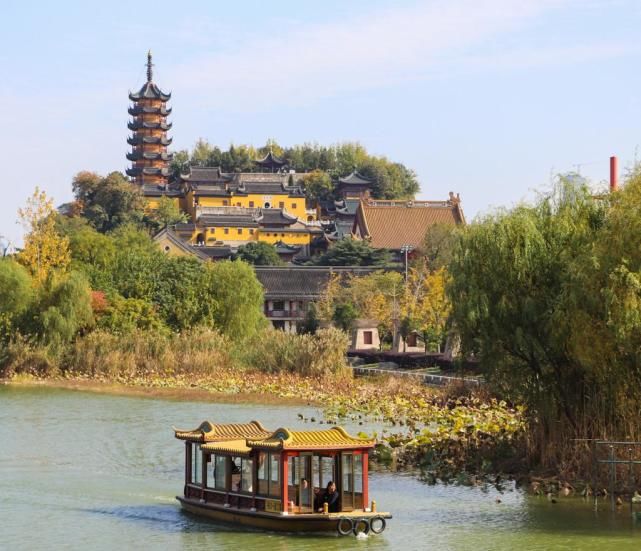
x: 45, y: 249
x: 426, y: 306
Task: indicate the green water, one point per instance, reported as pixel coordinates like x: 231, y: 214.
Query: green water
x: 86, y: 471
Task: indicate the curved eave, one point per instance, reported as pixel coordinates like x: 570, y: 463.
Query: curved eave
x: 147, y: 171
x: 137, y: 156
x: 134, y: 125
x: 137, y: 140
x: 149, y: 90
x: 140, y: 110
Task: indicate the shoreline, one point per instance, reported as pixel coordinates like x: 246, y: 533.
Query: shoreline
x: 179, y: 394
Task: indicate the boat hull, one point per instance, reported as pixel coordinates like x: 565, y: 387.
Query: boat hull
x: 314, y: 522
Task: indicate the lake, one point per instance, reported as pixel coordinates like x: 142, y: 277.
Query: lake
x: 80, y: 470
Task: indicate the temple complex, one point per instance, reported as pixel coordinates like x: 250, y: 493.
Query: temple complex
x: 149, y: 141
x: 269, y: 204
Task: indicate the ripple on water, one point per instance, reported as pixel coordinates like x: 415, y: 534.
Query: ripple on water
x: 87, y: 471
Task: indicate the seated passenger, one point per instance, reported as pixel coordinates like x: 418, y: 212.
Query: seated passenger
x: 318, y: 499
x: 331, y: 497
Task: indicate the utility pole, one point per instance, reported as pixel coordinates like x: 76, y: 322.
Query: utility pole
x: 406, y: 249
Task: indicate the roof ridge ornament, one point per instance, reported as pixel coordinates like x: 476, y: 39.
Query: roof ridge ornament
x: 149, y: 66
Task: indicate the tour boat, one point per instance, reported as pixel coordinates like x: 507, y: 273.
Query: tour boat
x: 244, y: 474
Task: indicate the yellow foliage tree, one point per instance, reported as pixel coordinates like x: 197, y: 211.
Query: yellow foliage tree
x: 45, y: 250
x: 426, y: 304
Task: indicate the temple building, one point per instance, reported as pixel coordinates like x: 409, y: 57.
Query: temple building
x: 228, y: 210
x: 149, y: 141
x: 393, y: 225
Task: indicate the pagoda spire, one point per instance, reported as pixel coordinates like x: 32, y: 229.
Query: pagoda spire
x: 149, y: 66
x: 149, y: 140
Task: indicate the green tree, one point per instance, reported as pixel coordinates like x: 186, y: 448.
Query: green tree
x: 108, y: 202
x: 16, y: 288
x: 16, y: 296
x: 125, y: 315
x: 352, y: 252
x: 344, y: 316
x: 311, y: 323
x: 523, y: 296
x: 165, y: 214
x: 318, y: 185
x: 238, y: 296
x: 438, y: 245
x: 259, y: 253
x: 65, y: 309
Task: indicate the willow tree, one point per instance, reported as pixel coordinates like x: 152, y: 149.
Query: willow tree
x: 519, y: 286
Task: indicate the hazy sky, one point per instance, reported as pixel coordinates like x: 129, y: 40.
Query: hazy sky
x: 487, y: 98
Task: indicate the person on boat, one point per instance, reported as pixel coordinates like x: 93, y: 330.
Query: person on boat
x: 331, y: 497
x: 318, y: 499
x: 304, y: 484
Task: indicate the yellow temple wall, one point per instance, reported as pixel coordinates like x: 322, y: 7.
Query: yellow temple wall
x: 295, y: 207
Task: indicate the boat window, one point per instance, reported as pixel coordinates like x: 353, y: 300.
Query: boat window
x: 220, y: 464
x: 263, y: 473
x: 268, y: 474
x: 196, y: 465
x: 327, y: 471
x: 236, y: 464
x: 274, y: 475
x: 247, y: 475
x: 347, y: 489
x: 358, y: 481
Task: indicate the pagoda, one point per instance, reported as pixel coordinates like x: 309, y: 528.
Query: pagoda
x: 149, y: 156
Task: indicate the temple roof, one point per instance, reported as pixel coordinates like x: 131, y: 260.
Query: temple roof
x: 330, y: 439
x: 271, y: 160
x: 210, y: 432
x: 355, y: 178
x: 392, y: 224
x: 277, y: 217
x: 300, y: 282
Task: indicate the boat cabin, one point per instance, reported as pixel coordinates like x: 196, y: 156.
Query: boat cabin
x: 246, y: 467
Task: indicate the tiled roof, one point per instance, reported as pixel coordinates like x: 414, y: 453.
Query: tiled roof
x: 149, y: 90
x: 392, y: 224
x: 235, y: 447
x: 178, y: 242
x: 299, y: 282
x: 277, y: 217
x: 209, y: 432
x: 355, y: 178
x: 330, y: 439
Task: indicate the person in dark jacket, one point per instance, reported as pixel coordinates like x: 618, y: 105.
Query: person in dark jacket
x: 331, y: 497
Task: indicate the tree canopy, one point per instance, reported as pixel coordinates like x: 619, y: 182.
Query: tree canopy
x: 391, y: 180
x: 353, y: 252
x: 258, y: 253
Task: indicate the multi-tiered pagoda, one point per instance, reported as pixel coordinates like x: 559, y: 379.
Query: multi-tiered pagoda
x: 150, y: 160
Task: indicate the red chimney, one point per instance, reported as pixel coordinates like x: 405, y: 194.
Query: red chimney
x: 614, y: 183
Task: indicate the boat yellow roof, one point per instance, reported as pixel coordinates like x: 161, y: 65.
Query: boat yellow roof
x: 210, y: 432
x: 231, y: 447
x: 329, y: 439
